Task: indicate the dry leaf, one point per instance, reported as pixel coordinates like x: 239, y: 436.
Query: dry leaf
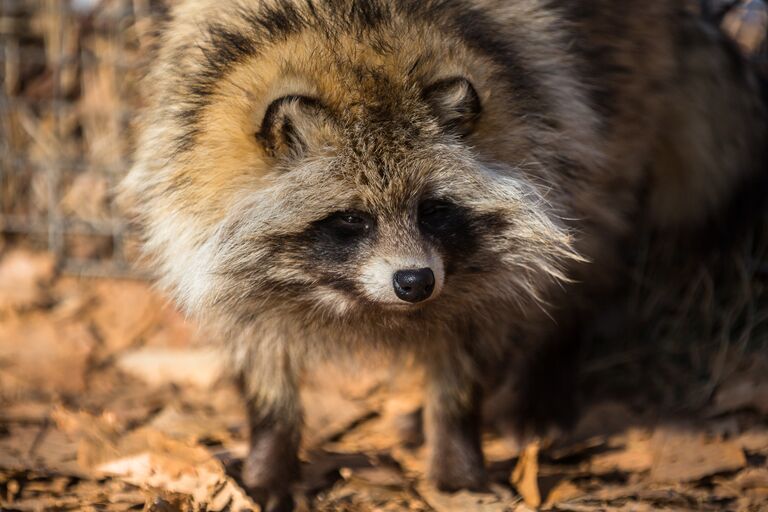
x: 26, y: 412
x: 563, y: 491
x: 173, y: 330
x: 55, y: 451
x: 150, y: 459
x: 749, y: 481
x: 22, y: 273
x: 683, y: 456
x: 499, y: 499
x: 525, y: 475
x: 383, y: 432
x: 752, y: 478
x: 156, y: 366
x: 355, y: 379
x: 635, y: 456
x: 16, y: 445
x: 359, y: 495
x: 39, y: 448
x: 71, y: 296
x: 39, y: 353
x: 156, y: 461
x: 124, y: 311
x: 754, y: 440
x: 97, y: 436
x: 328, y: 414
x: 500, y: 449
x: 382, y: 476
x: 192, y: 426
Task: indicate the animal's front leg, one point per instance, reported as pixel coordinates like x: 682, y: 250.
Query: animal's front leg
x: 274, y: 417
x: 452, y: 414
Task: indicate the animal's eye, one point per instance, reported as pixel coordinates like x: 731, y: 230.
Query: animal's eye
x: 348, y: 223
x: 434, y: 207
x: 351, y: 218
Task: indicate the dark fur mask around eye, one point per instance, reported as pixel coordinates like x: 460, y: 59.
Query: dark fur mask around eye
x: 456, y: 104
x: 437, y: 214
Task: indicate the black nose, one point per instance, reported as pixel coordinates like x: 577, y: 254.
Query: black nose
x: 414, y: 285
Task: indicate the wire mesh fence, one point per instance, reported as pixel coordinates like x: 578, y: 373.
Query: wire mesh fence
x: 69, y: 91
x: 70, y: 70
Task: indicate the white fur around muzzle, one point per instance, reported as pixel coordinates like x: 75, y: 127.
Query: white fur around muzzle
x: 377, y: 276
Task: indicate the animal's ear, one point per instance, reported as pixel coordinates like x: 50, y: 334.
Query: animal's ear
x: 455, y: 103
x: 291, y: 125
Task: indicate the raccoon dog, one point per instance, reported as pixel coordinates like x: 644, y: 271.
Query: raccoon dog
x: 445, y: 178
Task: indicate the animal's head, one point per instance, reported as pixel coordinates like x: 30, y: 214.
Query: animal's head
x: 345, y: 162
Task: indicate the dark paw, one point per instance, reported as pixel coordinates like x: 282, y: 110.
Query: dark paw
x: 271, y: 494
x: 271, y: 467
x: 457, y: 464
x: 268, y: 501
x: 456, y: 454
x: 458, y: 477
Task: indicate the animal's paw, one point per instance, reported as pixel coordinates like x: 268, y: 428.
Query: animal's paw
x: 270, y: 494
x: 271, y: 468
x: 456, y: 469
